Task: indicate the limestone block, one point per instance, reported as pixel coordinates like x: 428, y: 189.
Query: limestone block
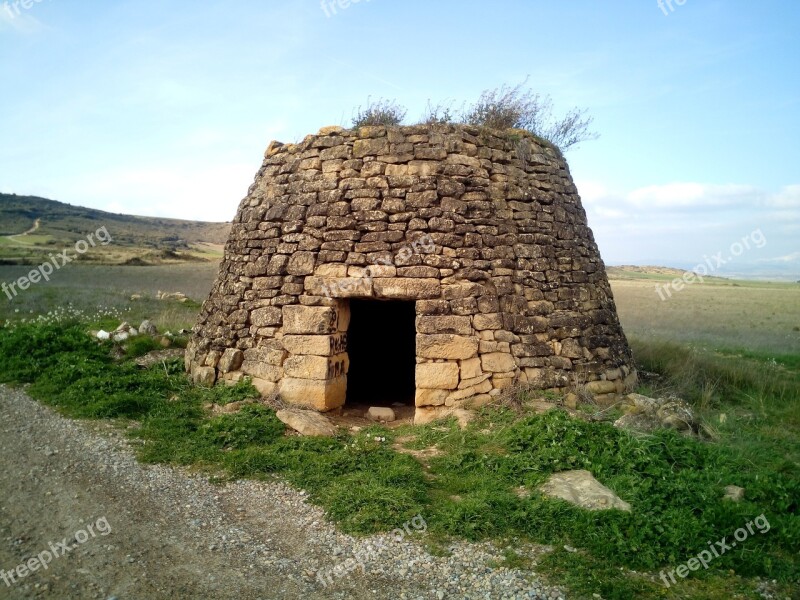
x: 498, y: 362
x: 232, y: 378
x: 317, y: 367
x: 487, y: 321
x: 264, y: 387
x: 601, y: 387
x: 318, y: 345
x: 482, y: 388
x: 502, y: 383
x: 430, y: 397
x: 301, y: 263
x: 306, y: 320
x: 212, y: 359
x: 570, y: 348
x: 231, y: 360
x: 465, y: 383
x: 339, y: 287
x: 320, y: 394
x: 441, y: 376
x: 262, y: 370
x: 205, y: 376
x: 471, y: 368
x: 447, y: 346
x: 331, y: 270
x: 444, y: 324
x: 266, y: 317
x: 370, y: 146
x: 407, y: 288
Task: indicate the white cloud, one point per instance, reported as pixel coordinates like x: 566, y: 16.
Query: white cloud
x: 184, y: 192
x: 692, y: 196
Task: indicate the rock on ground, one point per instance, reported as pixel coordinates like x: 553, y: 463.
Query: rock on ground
x: 307, y: 422
x: 582, y: 489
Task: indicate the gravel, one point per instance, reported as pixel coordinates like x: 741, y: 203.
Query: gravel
x: 174, y: 533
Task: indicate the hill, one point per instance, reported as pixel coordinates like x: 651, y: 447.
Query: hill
x: 31, y: 227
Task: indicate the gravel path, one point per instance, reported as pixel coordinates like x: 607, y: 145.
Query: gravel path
x: 174, y: 534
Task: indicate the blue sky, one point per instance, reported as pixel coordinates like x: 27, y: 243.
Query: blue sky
x: 165, y: 108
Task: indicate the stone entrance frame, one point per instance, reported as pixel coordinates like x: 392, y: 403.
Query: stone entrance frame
x: 482, y: 229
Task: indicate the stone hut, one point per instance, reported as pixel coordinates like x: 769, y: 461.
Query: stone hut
x: 429, y: 265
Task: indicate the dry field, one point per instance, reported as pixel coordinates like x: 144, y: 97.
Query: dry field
x: 757, y: 316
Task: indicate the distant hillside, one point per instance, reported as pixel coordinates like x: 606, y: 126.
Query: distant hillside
x: 31, y: 227
x: 66, y: 223
x: 647, y: 272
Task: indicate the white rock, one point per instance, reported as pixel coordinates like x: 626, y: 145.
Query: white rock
x: 381, y: 413
x: 307, y: 422
x: 103, y: 335
x: 582, y: 489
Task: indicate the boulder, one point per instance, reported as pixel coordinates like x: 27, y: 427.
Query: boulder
x: 381, y: 413
x: 734, y: 493
x: 646, y: 414
x: 147, y: 328
x: 307, y: 422
x: 582, y: 489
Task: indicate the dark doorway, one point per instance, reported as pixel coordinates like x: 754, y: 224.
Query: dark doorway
x: 381, y: 343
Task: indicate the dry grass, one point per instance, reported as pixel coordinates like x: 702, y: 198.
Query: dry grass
x: 758, y: 316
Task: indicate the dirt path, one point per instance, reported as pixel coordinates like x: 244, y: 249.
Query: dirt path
x: 175, y: 535
x: 33, y: 229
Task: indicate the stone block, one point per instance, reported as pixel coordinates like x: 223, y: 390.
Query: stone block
x: 482, y: 388
x: 262, y: 370
x: 601, y: 387
x: 430, y: 397
x: 471, y: 368
x: 441, y: 376
x: 331, y: 270
x: 498, y: 362
x: 487, y: 321
x: 316, y: 367
x: 205, y: 376
x: 318, y: 345
x: 231, y: 360
x: 306, y: 320
x: 446, y: 346
x: 266, y: 317
x: 407, y: 288
x: 444, y: 324
x: 320, y: 394
x: 264, y: 387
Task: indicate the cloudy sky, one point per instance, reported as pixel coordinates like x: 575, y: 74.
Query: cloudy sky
x: 165, y: 108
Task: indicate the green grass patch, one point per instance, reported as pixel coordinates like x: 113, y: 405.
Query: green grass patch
x: 481, y: 482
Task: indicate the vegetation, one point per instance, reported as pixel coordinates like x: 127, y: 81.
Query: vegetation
x: 32, y: 228
x: 379, y: 112
x: 469, y: 484
x: 501, y: 108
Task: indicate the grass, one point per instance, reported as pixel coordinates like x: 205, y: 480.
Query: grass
x: 718, y: 346
x: 467, y: 489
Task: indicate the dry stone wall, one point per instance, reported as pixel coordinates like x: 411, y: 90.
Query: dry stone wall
x: 483, y: 230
